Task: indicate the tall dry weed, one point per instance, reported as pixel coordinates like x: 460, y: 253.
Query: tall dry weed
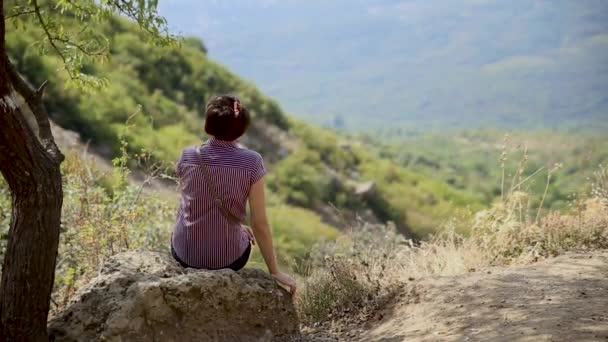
x: 103, y: 214
x: 364, y: 268
x: 352, y: 274
x: 599, y: 187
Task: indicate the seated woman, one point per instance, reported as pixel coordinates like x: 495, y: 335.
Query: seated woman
x: 217, y: 178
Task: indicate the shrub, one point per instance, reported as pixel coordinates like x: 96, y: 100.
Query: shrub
x: 103, y: 215
x: 300, y: 179
x: 352, y: 273
x: 168, y: 85
x: 363, y: 269
x: 295, y: 232
x: 506, y: 234
x: 599, y: 188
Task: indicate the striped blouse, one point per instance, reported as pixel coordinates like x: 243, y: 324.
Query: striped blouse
x: 202, y: 236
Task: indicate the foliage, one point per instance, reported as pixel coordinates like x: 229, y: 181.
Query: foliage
x: 352, y: 273
x: 66, y: 29
x: 468, y: 160
x: 425, y: 201
x: 104, y: 215
x: 300, y: 178
x: 158, y: 86
x: 358, y: 272
x: 332, y: 148
x: 600, y: 185
x: 295, y: 232
x: 415, y: 202
x: 160, y: 90
x: 506, y: 232
x: 158, y: 94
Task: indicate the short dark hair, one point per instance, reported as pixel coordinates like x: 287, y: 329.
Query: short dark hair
x: 221, y: 121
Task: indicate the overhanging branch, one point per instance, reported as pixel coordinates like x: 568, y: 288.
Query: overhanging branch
x: 50, y: 36
x: 33, y: 98
x: 18, y: 14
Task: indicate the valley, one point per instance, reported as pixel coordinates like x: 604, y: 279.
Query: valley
x: 446, y: 181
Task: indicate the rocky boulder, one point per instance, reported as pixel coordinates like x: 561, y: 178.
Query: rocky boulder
x: 365, y: 189
x: 147, y: 296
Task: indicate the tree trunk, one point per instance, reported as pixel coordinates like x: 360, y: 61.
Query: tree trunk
x: 34, y: 178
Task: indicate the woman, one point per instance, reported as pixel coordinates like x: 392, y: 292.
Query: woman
x: 217, y: 179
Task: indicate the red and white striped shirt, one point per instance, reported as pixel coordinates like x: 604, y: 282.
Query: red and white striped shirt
x: 203, y: 237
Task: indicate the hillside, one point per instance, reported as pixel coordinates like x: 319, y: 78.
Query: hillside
x: 415, y: 64
x: 151, y: 106
x: 471, y: 160
x: 391, y: 236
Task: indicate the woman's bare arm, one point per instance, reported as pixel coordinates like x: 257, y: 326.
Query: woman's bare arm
x: 263, y: 235
x: 259, y: 223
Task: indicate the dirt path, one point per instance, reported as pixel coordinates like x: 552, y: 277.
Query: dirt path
x: 560, y: 299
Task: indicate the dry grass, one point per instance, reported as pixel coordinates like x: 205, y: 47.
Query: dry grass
x: 353, y: 274
x: 103, y: 215
x: 362, y: 270
x: 600, y: 185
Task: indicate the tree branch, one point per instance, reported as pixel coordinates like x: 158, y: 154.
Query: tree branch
x: 49, y: 36
x: 130, y: 11
x: 18, y: 14
x: 53, y: 39
x: 82, y: 48
x: 33, y: 98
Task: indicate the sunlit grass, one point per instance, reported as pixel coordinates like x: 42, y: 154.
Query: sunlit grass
x: 359, y: 271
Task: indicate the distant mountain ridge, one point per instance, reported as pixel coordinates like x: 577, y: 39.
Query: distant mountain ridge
x: 415, y: 64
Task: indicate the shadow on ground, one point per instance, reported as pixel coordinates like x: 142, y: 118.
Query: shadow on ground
x: 561, y: 299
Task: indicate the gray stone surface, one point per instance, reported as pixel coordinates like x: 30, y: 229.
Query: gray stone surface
x: 147, y: 296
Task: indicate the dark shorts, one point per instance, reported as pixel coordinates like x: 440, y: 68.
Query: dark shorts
x: 235, y: 266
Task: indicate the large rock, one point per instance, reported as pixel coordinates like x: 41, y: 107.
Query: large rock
x: 147, y: 296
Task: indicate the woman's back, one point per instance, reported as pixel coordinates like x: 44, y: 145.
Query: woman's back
x: 208, y: 233
x: 203, y: 236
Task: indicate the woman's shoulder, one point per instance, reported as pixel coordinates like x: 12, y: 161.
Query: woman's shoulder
x: 249, y: 155
x: 189, y: 154
x: 190, y: 149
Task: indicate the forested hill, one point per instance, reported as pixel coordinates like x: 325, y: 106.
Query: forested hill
x: 153, y: 97
x: 159, y: 90
x: 416, y: 63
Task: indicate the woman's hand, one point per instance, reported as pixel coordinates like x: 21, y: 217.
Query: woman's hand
x: 285, y: 281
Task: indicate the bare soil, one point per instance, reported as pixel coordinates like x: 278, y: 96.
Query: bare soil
x: 559, y: 299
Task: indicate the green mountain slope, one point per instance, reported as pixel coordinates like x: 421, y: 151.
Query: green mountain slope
x: 472, y: 161
x: 154, y: 97
x: 160, y: 92
x: 415, y: 63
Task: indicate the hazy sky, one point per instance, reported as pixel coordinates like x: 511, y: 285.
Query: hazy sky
x: 321, y: 58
